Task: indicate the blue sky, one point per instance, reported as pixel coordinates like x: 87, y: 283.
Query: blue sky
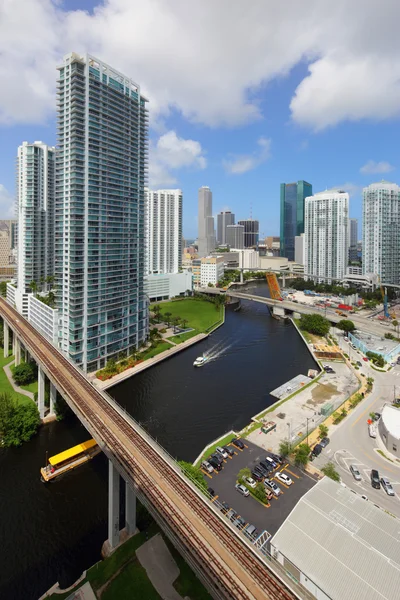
x: 232, y: 105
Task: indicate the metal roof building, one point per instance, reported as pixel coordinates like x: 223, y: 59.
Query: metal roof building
x: 340, y: 546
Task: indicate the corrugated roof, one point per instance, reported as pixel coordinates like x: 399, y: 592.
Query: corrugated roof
x: 343, y: 543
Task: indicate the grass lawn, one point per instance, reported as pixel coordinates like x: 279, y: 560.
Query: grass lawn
x: 199, y: 314
x: 187, y: 584
x: 222, y: 442
x: 5, y: 385
x: 183, y: 336
x: 154, y: 351
x: 31, y: 387
x: 130, y: 584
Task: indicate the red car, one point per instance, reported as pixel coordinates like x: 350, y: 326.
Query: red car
x: 365, y: 358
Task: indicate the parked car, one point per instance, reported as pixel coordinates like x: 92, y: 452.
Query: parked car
x: 266, y: 465
x: 375, y: 481
x: 238, y: 443
x: 221, y: 451
x: 283, y: 478
x: 355, y: 472
x: 264, y: 472
x: 377, y: 416
x: 211, y: 492
x: 277, y: 458
x: 359, y: 363
x: 271, y: 462
x: 271, y: 485
x: 251, y: 531
x: 231, y: 514
x: 346, y: 339
x: 324, y: 442
x: 215, y: 464
x: 372, y: 430
x: 218, y: 458
x: 257, y: 475
x: 239, y: 522
x: 205, y: 465
x: 387, y: 486
x: 242, y: 489
x: 229, y: 450
x: 250, y: 482
x: 317, y: 449
x: 365, y: 358
x: 224, y: 507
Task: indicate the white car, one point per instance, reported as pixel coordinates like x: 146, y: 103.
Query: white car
x: 250, y: 482
x: 205, y: 465
x: 283, y: 478
x: 271, y: 485
x: 372, y: 430
x: 222, y: 452
x: 242, y: 489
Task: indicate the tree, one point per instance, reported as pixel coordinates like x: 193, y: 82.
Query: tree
x: 243, y: 473
x: 50, y: 280
x: 168, y: 316
x: 259, y: 492
x: 323, y: 431
x: 175, y: 322
x: 316, y: 324
x: 157, y: 310
x: 285, y: 448
x: 330, y: 471
x: 18, y: 422
x: 25, y: 373
x: 194, y: 474
x: 3, y: 288
x: 346, y: 325
x: 183, y: 323
x: 302, y: 455
x: 210, y: 284
x: 33, y: 286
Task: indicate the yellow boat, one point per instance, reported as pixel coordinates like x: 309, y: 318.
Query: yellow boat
x: 69, y: 459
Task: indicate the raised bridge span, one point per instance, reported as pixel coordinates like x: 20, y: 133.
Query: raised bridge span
x: 229, y: 565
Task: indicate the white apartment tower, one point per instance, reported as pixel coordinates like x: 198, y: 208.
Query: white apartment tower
x: 101, y: 167
x: 326, y: 221
x: 381, y: 231
x: 206, y: 233
x: 35, y: 212
x: 164, y: 230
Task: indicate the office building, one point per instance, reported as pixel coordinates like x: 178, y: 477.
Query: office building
x: 353, y: 237
x: 162, y: 286
x: 164, y: 230
x: 249, y: 259
x: 7, y: 242
x: 206, y: 237
x: 196, y: 271
x: 211, y: 270
x: 292, y: 214
x: 235, y: 236
x: 35, y: 202
x: 299, y: 249
x: 251, y: 232
x: 224, y: 218
x: 326, y: 242
x: 381, y: 231
x: 101, y: 169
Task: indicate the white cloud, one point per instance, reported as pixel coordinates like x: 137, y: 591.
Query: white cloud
x: 7, y: 205
x: 372, y: 166
x: 210, y: 60
x: 171, y: 152
x: 349, y: 187
x: 239, y: 164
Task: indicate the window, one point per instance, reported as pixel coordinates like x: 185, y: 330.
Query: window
x: 394, y: 447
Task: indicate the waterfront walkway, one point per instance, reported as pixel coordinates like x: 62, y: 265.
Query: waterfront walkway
x: 161, y: 569
x: 16, y: 388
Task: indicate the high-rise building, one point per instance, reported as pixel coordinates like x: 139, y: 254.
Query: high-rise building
x: 35, y: 210
x: 381, y: 231
x: 299, y: 249
x: 292, y: 214
x: 164, y: 230
x: 7, y: 242
x: 353, y: 237
x: 326, y: 221
x: 235, y: 236
x: 251, y: 232
x: 224, y: 218
x: 206, y: 237
x: 100, y: 211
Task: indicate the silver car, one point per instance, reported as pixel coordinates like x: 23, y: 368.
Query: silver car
x: 387, y: 486
x: 355, y: 472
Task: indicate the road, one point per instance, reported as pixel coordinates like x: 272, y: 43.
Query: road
x: 350, y: 442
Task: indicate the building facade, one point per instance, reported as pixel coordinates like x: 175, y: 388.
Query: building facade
x: 206, y: 237
x: 326, y: 235
x: 251, y: 232
x: 235, y: 236
x: 381, y: 231
x: 100, y: 211
x: 211, y: 270
x: 224, y: 218
x: 164, y: 230
x: 353, y: 239
x: 162, y: 286
x: 299, y: 249
x: 293, y: 196
x: 7, y: 242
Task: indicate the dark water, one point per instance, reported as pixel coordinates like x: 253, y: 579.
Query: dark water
x: 53, y: 532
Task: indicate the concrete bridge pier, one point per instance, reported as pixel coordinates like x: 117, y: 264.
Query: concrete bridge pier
x: 113, y: 506
x: 41, y: 391
x: 241, y: 276
x: 130, y: 509
x: 17, y: 351
x: 6, y: 334
x: 53, y: 398
x: 278, y: 311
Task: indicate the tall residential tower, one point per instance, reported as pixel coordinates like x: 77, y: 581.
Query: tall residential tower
x: 206, y: 236
x: 251, y: 232
x: 224, y: 219
x: 353, y: 238
x: 164, y: 227
x: 292, y: 214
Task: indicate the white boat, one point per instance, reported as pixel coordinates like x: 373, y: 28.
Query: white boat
x: 200, y: 361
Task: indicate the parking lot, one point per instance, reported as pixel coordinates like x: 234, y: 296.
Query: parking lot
x: 248, y: 508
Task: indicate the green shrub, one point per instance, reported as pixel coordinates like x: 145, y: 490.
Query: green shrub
x: 25, y: 373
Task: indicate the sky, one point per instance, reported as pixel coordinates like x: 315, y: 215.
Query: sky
x: 242, y: 95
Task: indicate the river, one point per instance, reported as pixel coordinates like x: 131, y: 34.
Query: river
x: 51, y: 533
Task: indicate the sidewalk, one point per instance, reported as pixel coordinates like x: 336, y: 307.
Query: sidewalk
x: 16, y: 388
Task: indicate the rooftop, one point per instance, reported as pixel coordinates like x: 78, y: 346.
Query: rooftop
x: 391, y: 420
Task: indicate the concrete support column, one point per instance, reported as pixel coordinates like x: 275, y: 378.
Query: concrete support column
x: 53, y: 397
x: 17, y: 351
x: 41, y: 380
x: 113, y: 505
x: 6, y: 339
x: 241, y: 276
x: 14, y: 343
x: 130, y: 509
x: 283, y: 280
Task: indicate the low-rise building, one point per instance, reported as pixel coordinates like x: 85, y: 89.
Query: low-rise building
x: 389, y: 428
x: 196, y: 271
x: 44, y: 318
x: 211, y: 270
x: 162, y: 286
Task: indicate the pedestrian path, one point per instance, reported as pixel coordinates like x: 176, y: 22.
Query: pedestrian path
x: 16, y: 388
x: 160, y: 567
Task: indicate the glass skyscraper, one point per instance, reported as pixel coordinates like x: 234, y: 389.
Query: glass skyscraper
x: 101, y: 165
x: 292, y: 214
x: 251, y: 232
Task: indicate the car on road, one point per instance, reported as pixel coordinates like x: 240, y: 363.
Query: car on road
x: 283, y: 478
x: 221, y: 451
x: 250, y: 482
x: 324, y: 442
x: 205, y: 465
x: 364, y: 497
x: 271, y: 485
x: 372, y: 430
x: 375, y: 481
x: 317, y: 450
x: 242, y: 489
x: 359, y: 363
x: 211, y: 492
x: 346, y: 339
x: 355, y: 472
x: 238, y: 443
x: 277, y: 458
x: 271, y: 462
x: 365, y: 358
x: 229, y: 450
x: 387, y: 486
x: 257, y: 475
x: 215, y: 464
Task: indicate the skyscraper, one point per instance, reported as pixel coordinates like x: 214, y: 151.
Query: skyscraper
x: 35, y: 211
x: 224, y: 218
x: 164, y: 226
x: 292, y: 214
x: 7, y: 242
x: 326, y: 221
x: 206, y: 237
x: 251, y: 232
x: 381, y: 231
x: 353, y: 233
x: 100, y: 211
x: 235, y: 236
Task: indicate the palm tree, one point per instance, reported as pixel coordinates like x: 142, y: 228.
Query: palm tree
x: 50, y: 280
x: 183, y: 323
x: 302, y: 455
x: 42, y: 280
x: 168, y: 316
x: 175, y: 322
x: 323, y: 431
x: 33, y: 286
x: 157, y: 310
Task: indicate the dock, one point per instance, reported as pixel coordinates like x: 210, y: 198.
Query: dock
x: 291, y: 386
x: 69, y: 459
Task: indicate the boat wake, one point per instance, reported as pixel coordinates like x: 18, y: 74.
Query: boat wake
x: 216, y: 351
